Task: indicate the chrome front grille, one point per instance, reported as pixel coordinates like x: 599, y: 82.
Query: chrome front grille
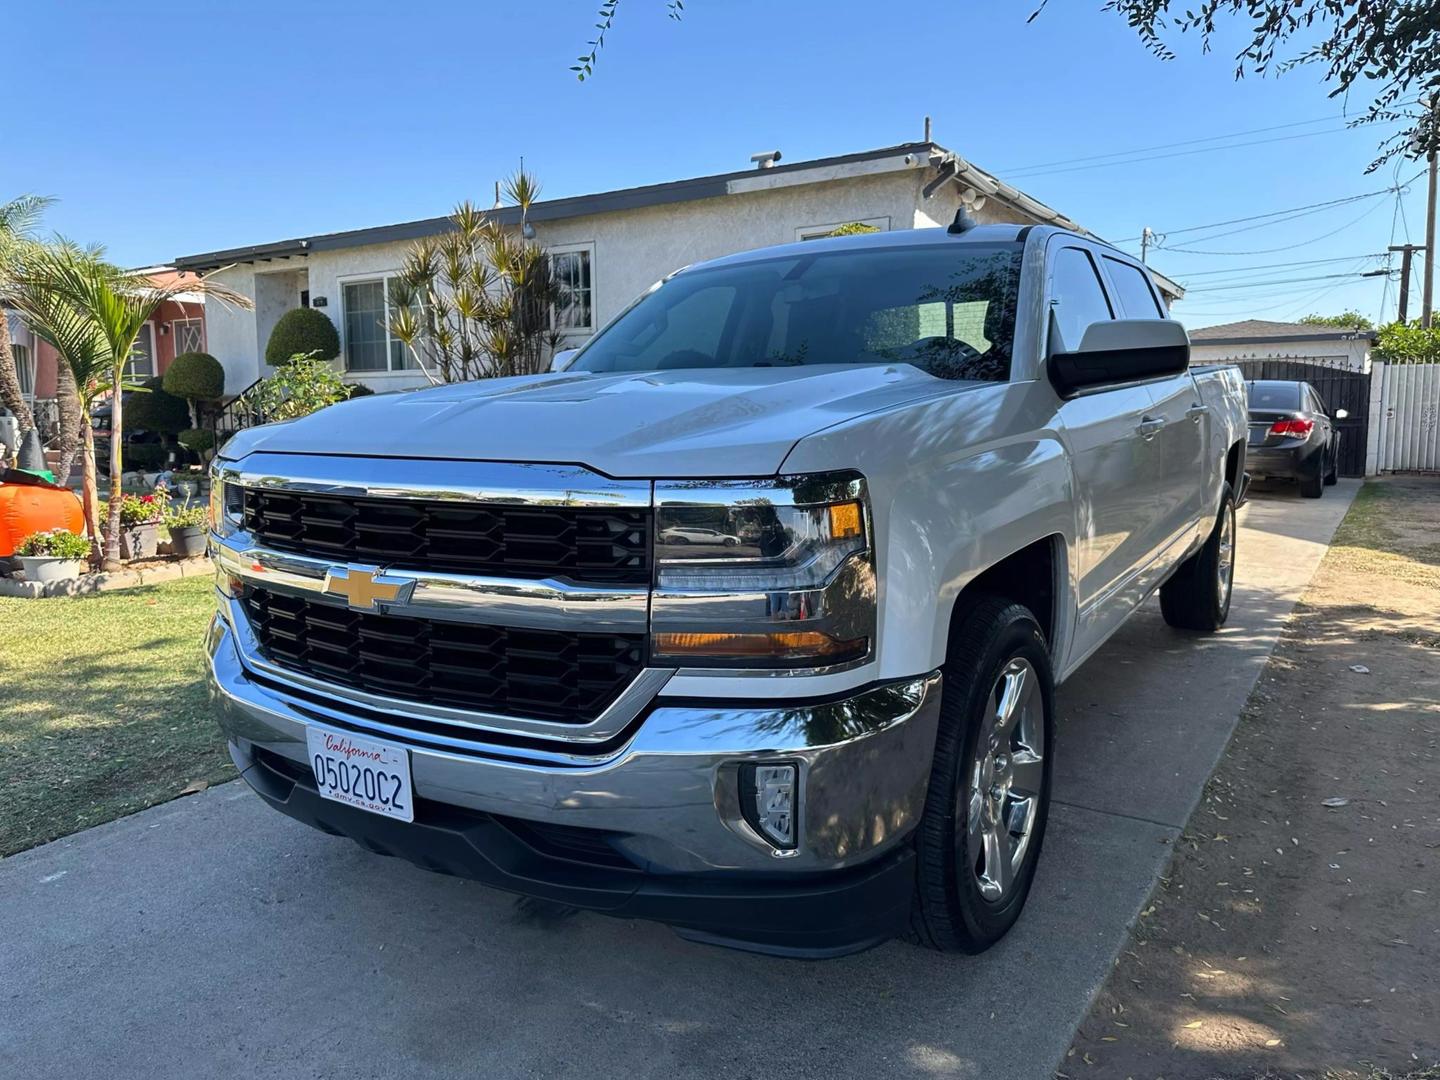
x: 567, y: 677
x: 603, y: 545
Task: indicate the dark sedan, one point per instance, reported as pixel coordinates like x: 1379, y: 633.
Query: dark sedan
x: 1292, y: 436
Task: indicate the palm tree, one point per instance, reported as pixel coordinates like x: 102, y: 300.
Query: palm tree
x: 17, y: 221
x: 116, y: 305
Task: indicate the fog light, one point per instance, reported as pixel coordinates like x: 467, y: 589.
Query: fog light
x: 768, y: 796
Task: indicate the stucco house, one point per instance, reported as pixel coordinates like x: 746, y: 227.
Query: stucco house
x: 1258, y: 339
x: 607, y: 247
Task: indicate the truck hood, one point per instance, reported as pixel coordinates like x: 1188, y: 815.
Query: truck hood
x: 714, y: 422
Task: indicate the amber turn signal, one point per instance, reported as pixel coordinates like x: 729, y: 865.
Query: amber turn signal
x: 784, y: 645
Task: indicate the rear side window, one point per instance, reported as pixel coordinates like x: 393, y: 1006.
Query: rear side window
x: 1137, y: 299
x: 1078, y: 298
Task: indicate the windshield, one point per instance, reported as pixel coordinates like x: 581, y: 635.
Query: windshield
x: 948, y: 309
x: 1275, y: 395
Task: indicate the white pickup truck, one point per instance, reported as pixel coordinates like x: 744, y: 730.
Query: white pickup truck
x: 749, y: 619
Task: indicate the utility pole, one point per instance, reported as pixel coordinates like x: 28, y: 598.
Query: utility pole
x: 1406, y: 252
x: 1147, y: 236
x: 1432, y: 138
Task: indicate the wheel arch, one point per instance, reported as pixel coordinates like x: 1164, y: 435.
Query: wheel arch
x: 1036, y: 576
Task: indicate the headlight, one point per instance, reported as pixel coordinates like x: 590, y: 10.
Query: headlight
x: 763, y: 573
x: 226, y: 505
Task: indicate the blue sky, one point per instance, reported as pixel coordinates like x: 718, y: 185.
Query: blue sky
x: 257, y: 121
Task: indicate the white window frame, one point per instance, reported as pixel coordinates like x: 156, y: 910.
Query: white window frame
x: 130, y: 372
x: 176, y: 324
x: 382, y: 276
x: 815, y: 232
x: 25, y: 368
x: 588, y: 247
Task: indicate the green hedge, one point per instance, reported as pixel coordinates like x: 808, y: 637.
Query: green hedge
x: 152, y: 409
x: 299, y: 332
x: 197, y: 376
x: 197, y: 440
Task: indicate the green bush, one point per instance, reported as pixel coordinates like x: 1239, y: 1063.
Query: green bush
x: 152, y: 409
x: 303, y: 331
x: 358, y: 389
x: 197, y: 440
x: 146, y: 456
x: 1408, y: 343
x: 57, y: 543
x: 302, y: 386
x: 196, y: 376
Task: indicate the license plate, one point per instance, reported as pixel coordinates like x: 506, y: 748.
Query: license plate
x: 1258, y: 433
x: 372, y: 775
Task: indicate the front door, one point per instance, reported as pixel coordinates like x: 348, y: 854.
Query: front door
x: 1116, y: 465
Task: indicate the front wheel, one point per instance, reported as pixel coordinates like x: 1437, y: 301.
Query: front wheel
x: 984, y: 820
x: 1197, y: 596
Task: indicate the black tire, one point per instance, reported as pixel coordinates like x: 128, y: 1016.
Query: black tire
x: 988, y: 643
x: 1195, y: 597
x: 1312, y: 485
x: 1332, y: 476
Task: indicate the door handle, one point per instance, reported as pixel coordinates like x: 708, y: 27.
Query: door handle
x: 1195, y: 412
x: 1148, y: 426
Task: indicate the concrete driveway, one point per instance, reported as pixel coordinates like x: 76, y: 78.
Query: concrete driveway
x: 213, y: 937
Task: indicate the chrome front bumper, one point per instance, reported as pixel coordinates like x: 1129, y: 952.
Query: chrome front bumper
x: 669, y: 792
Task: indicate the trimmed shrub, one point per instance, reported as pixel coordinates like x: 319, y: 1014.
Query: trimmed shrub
x: 302, y: 331
x: 196, y: 376
x: 198, y: 440
x: 146, y: 456
x: 152, y: 409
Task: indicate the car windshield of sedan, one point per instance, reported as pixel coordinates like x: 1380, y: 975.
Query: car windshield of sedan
x: 1275, y: 395
x: 948, y: 309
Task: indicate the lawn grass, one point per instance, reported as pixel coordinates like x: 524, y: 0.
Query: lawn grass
x: 102, y: 707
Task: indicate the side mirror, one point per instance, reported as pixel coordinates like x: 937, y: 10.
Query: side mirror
x: 1341, y: 414
x: 561, y: 360
x: 1120, y: 351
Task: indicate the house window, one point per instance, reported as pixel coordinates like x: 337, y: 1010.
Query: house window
x: 819, y: 232
x: 571, y: 267
x: 189, y: 335
x: 369, y: 345
x: 25, y: 369
x: 142, y: 356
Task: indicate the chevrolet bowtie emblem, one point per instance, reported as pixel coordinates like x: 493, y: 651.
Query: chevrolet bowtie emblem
x: 366, y: 587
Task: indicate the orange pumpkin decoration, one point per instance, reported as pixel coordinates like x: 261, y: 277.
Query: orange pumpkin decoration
x: 27, y: 508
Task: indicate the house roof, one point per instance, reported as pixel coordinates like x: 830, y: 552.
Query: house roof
x: 948, y: 165
x: 1264, y: 332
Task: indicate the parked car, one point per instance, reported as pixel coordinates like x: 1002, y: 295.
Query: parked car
x: 460, y: 628
x: 1292, y: 436
x: 697, y: 534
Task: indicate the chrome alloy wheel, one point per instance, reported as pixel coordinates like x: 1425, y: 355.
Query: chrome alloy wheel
x: 1006, y: 777
x: 1225, y: 555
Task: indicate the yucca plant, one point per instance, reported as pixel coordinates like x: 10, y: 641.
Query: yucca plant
x: 476, y: 302
x: 102, y: 308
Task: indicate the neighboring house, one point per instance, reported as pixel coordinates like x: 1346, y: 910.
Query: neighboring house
x: 177, y: 327
x: 1257, y: 339
x: 608, y: 248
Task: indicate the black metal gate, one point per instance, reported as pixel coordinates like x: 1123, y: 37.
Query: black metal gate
x: 1339, y: 388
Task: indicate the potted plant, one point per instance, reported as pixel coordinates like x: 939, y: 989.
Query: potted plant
x: 188, y: 529
x: 57, y: 555
x: 140, y: 517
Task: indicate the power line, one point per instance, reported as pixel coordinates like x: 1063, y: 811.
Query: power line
x: 1145, y: 157
x: 1170, y: 146
x: 1273, y: 213
x: 1283, y: 247
x: 1277, y: 281
x: 1278, y: 266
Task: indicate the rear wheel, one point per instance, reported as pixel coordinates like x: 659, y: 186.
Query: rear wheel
x: 984, y: 820
x: 1312, y: 485
x: 1332, y: 477
x: 1197, y: 597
